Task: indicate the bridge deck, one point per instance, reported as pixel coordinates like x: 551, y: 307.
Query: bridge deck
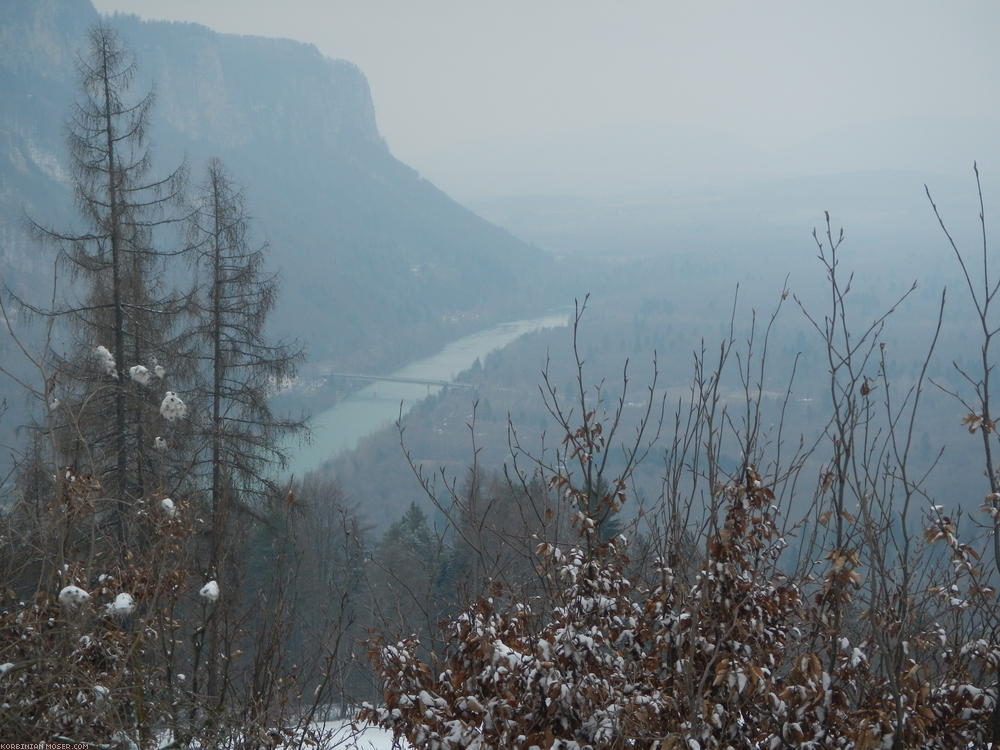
x: 394, y: 379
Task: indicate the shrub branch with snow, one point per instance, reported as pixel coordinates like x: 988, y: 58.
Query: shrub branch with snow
x: 721, y: 661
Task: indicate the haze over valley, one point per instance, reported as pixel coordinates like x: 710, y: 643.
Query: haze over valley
x: 557, y: 375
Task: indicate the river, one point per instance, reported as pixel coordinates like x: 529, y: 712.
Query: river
x: 339, y: 429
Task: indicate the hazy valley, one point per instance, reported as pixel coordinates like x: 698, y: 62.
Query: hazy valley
x: 710, y: 461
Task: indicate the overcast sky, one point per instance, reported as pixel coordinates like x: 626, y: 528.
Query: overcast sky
x: 550, y: 96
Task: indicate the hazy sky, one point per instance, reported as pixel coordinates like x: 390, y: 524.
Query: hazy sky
x: 544, y: 96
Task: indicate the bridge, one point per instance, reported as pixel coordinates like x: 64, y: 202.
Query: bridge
x: 395, y: 379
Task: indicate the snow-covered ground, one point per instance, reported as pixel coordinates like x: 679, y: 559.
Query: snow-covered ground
x: 335, y: 734
x: 341, y: 735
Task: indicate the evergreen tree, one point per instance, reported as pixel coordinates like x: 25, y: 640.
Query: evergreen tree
x: 410, y: 533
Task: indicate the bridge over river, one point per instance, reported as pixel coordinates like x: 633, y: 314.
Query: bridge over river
x: 340, y: 428
x: 400, y: 379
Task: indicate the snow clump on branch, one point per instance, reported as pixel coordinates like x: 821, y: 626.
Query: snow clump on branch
x: 210, y: 591
x: 168, y: 507
x: 156, y: 368
x: 106, y: 361
x: 122, y: 606
x: 139, y: 374
x: 172, y: 407
x: 72, y: 596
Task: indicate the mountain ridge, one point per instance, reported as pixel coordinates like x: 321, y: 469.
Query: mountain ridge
x: 377, y: 264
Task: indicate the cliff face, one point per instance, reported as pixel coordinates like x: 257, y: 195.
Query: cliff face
x: 40, y: 37
x: 374, y: 260
x: 37, y: 42
x: 237, y: 91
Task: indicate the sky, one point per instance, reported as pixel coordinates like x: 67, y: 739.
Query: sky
x: 547, y: 97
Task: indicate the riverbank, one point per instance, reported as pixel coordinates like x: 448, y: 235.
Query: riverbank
x: 338, y: 430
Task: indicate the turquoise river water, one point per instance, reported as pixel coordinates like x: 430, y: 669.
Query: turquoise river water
x: 339, y: 429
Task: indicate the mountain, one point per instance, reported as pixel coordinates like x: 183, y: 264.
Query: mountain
x: 376, y: 264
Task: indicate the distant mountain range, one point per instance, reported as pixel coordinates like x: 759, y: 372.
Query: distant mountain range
x: 377, y: 265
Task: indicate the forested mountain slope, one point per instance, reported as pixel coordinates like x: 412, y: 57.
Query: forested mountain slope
x: 377, y: 264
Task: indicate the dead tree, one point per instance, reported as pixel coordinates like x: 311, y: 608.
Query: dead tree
x: 242, y: 368
x: 243, y: 441
x: 122, y: 319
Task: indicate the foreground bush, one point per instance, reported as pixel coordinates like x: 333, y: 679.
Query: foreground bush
x: 740, y: 657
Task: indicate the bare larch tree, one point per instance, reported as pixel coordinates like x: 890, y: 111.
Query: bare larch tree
x: 243, y: 442
x: 242, y: 367
x: 124, y: 319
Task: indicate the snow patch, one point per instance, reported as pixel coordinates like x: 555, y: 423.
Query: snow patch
x: 122, y: 606
x: 210, y: 591
x: 139, y: 374
x: 49, y: 164
x: 172, y: 407
x: 72, y: 596
x: 106, y: 362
